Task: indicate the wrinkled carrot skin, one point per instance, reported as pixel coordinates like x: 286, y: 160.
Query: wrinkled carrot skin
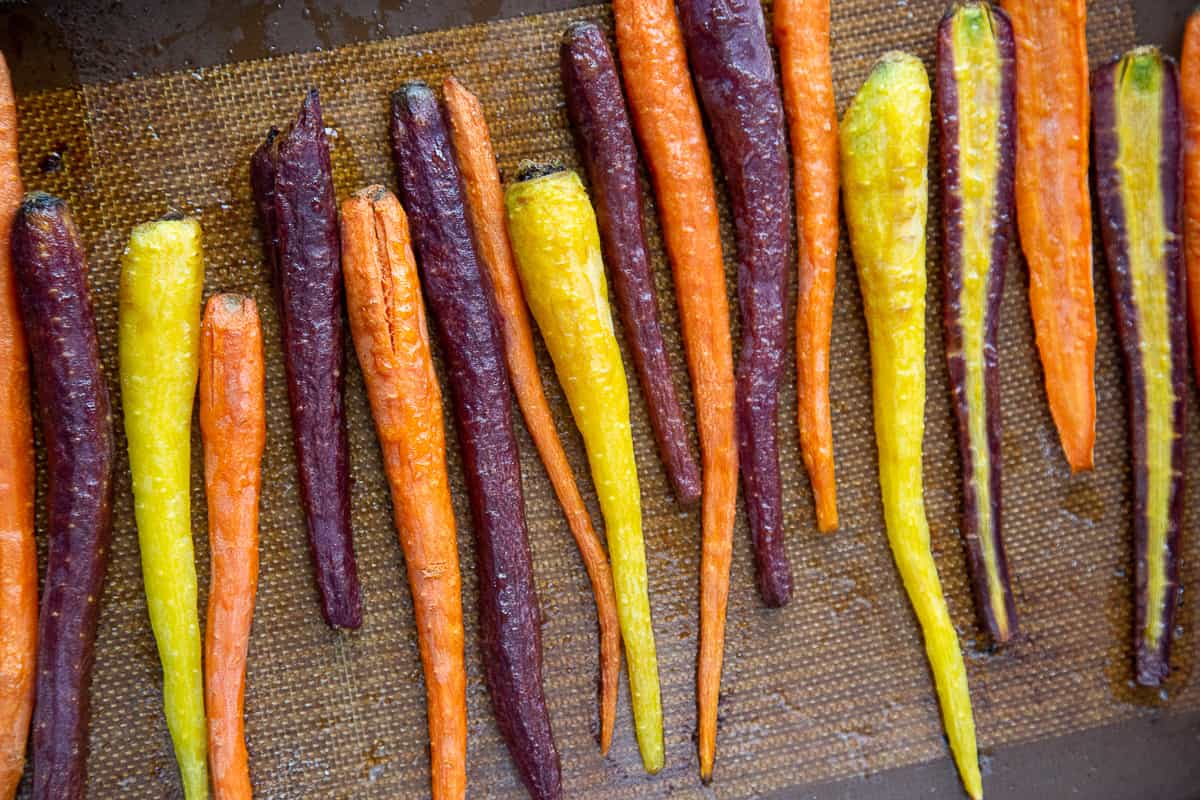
x: 667, y: 122
x: 387, y: 322
x: 76, y: 422
x: 485, y: 207
x: 1189, y: 97
x: 884, y: 142
x: 802, y: 37
x: 1054, y: 209
x: 596, y: 109
x: 233, y: 433
x: 18, y: 549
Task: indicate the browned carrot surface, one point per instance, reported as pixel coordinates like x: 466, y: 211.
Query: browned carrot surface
x: 1054, y: 208
x: 485, y: 206
x: 233, y: 431
x: 387, y: 321
x: 1189, y: 100
x: 18, y: 551
x: 802, y: 36
x: 667, y: 122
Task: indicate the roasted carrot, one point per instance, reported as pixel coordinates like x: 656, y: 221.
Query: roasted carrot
x: 802, y: 36
x: 485, y: 207
x: 1054, y: 209
x: 557, y: 248
x: 1189, y: 101
x: 233, y: 432
x: 667, y: 122
x: 1136, y: 130
x: 976, y: 111
x: 735, y: 80
x: 18, y: 549
x: 162, y: 275
x: 461, y: 301
x: 884, y: 155
x: 596, y: 108
x: 387, y: 321
x: 76, y: 420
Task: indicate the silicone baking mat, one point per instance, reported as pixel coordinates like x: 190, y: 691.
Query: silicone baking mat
x: 833, y: 686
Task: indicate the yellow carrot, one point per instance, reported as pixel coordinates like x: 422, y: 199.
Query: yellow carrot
x: 162, y: 274
x: 557, y: 248
x: 884, y: 154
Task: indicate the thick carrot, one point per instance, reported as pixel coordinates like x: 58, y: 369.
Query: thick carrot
x: 485, y: 207
x: 162, y: 274
x: 802, y: 36
x: 18, y: 550
x: 667, y: 121
x: 387, y: 321
x: 1054, y: 209
x: 76, y: 421
x: 557, y: 248
x: 233, y: 432
x: 884, y: 156
x: 1189, y: 101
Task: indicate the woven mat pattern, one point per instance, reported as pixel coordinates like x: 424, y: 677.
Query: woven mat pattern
x: 836, y: 685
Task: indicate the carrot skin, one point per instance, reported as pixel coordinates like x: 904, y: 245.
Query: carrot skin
x: 668, y: 125
x: 1054, y: 216
x: 976, y: 115
x: 1137, y: 135
x: 233, y: 432
x: 801, y: 30
x: 18, y: 548
x: 59, y: 325
x: 485, y: 207
x: 735, y: 77
x: 461, y: 298
x: 596, y: 108
x: 1189, y: 97
x: 292, y: 181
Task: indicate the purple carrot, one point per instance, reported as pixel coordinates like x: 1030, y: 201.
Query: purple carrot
x: 596, y: 107
x: 735, y: 78
x: 975, y: 59
x: 293, y: 189
x: 1136, y: 128
x: 461, y: 300
x: 56, y: 311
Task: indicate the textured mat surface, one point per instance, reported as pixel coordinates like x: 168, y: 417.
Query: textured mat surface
x: 834, y: 686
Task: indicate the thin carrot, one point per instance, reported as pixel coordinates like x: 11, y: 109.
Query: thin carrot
x: 1189, y: 96
x: 387, y: 321
x: 18, y: 550
x: 1054, y: 208
x: 233, y: 432
x: 485, y: 206
x: 667, y: 122
x: 802, y: 36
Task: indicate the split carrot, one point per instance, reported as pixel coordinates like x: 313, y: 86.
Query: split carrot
x: 1054, y: 208
x: 18, y: 549
x: 233, y: 432
x: 667, y: 121
x: 485, y: 207
x: 387, y: 322
x: 1189, y: 101
x: 802, y: 36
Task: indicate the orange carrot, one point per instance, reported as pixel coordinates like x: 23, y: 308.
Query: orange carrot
x: 387, y: 322
x: 485, y: 205
x: 233, y: 431
x: 802, y: 36
x: 667, y: 122
x: 18, y: 552
x: 1054, y: 208
x: 1189, y: 90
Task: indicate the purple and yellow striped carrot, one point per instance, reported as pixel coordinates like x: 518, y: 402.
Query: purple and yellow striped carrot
x: 976, y: 115
x: 1136, y: 128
